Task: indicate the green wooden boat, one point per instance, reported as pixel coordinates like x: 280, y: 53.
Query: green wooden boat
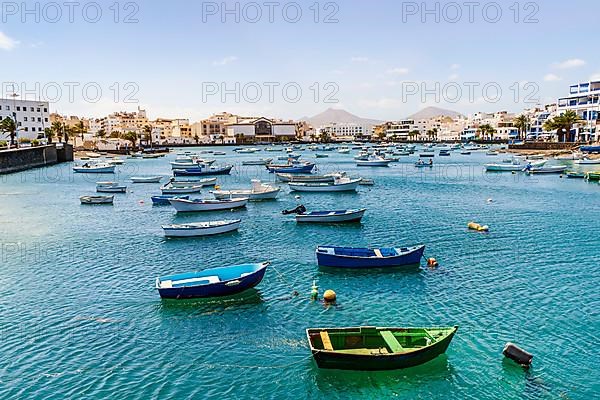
x: 370, y: 348
x: 593, y: 176
x: 575, y: 174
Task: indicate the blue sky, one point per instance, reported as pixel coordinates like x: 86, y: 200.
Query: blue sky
x: 375, y: 59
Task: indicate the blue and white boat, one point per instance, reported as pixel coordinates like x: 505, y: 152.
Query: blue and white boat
x: 207, y: 228
x: 164, y: 200
x: 100, y: 168
x: 292, y: 169
x: 331, y: 216
x: 202, y: 170
x: 214, y: 282
x: 350, y: 257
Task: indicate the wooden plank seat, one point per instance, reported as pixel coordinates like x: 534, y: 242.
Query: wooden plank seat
x: 326, y: 341
x: 391, y: 341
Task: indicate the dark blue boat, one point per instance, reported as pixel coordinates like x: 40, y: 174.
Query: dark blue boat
x: 164, y: 200
x: 349, y: 257
x: 590, y: 149
x: 203, y: 170
x: 292, y: 169
x: 214, y: 282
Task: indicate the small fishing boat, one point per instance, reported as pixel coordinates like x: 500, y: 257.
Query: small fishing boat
x: 372, y: 348
x: 219, y: 153
x: 247, y: 151
x: 349, y: 257
x: 590, y: 149
x: 192, y: 182
x: 213, y: 282
x: 491, y: 153
x: 201, y: 228
x: 306, y: 178
x: 146, y: 179
x: 587, y: 161
x: 343, y: 184
x: 319, y: 155
x: 444, y: 153
x: 116, y: 161
x: 110, y: 187
x: 592, y: 176
x: 93, y: 155
x: 423, y: 164
x: 575, y: 174
x: 331, y: 216
x: 515, y: 166
x: 272, y: 149
x: 373, y: 161
x: 465, y: 153
x: 427, y: 155
x: 97, y: 199
x: 197, y: 205
x: 262, y: 161
x: 152, y: 155
x: 292, y: 168
x: 170, y: 189
x: 101, y: 168
x: 555, y: 169
x: 196, y: 163
x: 203, y: 170
x: 164, y: 200
x: 259, y: 191
x: 367, y: 182
x: 344, y: 150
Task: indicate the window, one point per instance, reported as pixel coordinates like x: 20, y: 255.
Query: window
x: 18, y: 108
x: 45, y: 110
x: 45, y: 119
x: 39, y: 109
x: 39, y: 119
x: 7, y: 108
x: 32, y: 109
x: 25, y: 119
x: 33, y: 129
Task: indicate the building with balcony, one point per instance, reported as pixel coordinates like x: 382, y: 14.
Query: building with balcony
x: 584, y: 99
x: 259, y: 130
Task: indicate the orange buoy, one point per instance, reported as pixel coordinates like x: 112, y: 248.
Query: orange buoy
x: 329, y: 296
x: 432, y: 262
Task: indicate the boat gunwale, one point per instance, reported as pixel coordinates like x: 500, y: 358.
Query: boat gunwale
x: 262, y: 266
x: 411, y: 249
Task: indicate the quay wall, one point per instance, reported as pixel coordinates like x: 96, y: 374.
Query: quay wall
x: 16, y: 160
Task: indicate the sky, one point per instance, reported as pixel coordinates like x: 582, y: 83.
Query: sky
x: 377, y: 59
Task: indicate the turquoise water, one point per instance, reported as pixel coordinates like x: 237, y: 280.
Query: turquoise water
x: 80, y: 318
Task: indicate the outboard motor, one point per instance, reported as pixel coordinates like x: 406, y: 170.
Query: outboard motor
x: 298, y: 210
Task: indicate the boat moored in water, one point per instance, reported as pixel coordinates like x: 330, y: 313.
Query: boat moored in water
x: 169, y: 188
x: 197, y: 205
x: 110, y: 187
x: 202, y: 170
x: 164, y: 200
x: 99, y: 168
x: 195, y: 229
x: 146, y: 179
x: 331, y: 216
x: 343, y: 184
x: 259, y: 191
x: 350, y: 257
x: 97, y: 199
x: 372, y: 348
x: 213, y: 282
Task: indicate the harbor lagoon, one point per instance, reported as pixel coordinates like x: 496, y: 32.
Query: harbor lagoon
x: 81, y: 317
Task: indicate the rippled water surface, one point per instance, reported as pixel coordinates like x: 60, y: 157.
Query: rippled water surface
x: 80, y: 318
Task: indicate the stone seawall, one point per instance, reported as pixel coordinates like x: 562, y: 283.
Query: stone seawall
x: 16, y: 160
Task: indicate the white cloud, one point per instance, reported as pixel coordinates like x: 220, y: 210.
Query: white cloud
x: 453, y: 77
x: 552, y: 78
x: 226, y: 60
x: 595, y: 77
x: 455, y: 66
x: 398, y: 71
x: 572, y: 63
x: 7, y: 43
x: 360, y: 59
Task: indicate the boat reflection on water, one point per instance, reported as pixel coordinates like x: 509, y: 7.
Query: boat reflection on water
x: 411, y: 268
x: 209, y: 305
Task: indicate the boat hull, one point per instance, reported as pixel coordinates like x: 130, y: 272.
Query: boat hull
x: 378, y: 362
x: 361, y: 163
x: 349, y: 216
x: 411, y: 257
x: 191, y: 206
x: 152, y: 179
x: 101, y: 170
x: 324, y: 187
x: 224, y: 288
x: 202, y: 171
x: 305, y: 169
x: 164, y: 200
x: 180, y: 231
x: 239, y: 194
x: 96, y: 199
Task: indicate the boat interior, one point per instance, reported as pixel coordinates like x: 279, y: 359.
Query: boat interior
x: 374, y: 341
x: 207, y: 277
x: 357, y: 252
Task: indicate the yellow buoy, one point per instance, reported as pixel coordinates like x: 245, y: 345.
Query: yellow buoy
x: 329, y: 296
x: 474, y: 226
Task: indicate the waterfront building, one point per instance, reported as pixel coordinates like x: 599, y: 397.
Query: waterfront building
x: 346, y: 132
x: 537, y: 118
x: 31, y: 117
x: 261, y: 129
x: 584, y: 99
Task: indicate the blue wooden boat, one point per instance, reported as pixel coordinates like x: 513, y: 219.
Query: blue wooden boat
x: 590, y: 149
x: 164, y: 200
x: 203, y: 170
x: 213, y: 282
x: 350, y: 257
x: 291, y: 169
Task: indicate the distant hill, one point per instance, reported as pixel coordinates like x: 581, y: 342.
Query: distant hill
x: 333, y: 115
x: 431, y: 112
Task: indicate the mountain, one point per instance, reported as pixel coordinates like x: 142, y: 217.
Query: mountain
x: 338, y: 116
x: 431, y: 112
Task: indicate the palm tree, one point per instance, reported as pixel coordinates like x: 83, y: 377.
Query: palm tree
x: 132, y: 137
x: 324, y: 137
x: 101, y: 133
x: 148, y: 134
x: 486, y: 131
x: 57, y: 129
x: 562, y: 124
x: 196, y: 138
x: 49, y: 133
x: 522, y: 124
x: 8, y: 125
x: 68, y: 132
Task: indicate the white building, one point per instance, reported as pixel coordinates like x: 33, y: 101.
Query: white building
x: 32, y: 116
x: 345, y: 132
x: 253, y: 130
x: 584, y: 99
